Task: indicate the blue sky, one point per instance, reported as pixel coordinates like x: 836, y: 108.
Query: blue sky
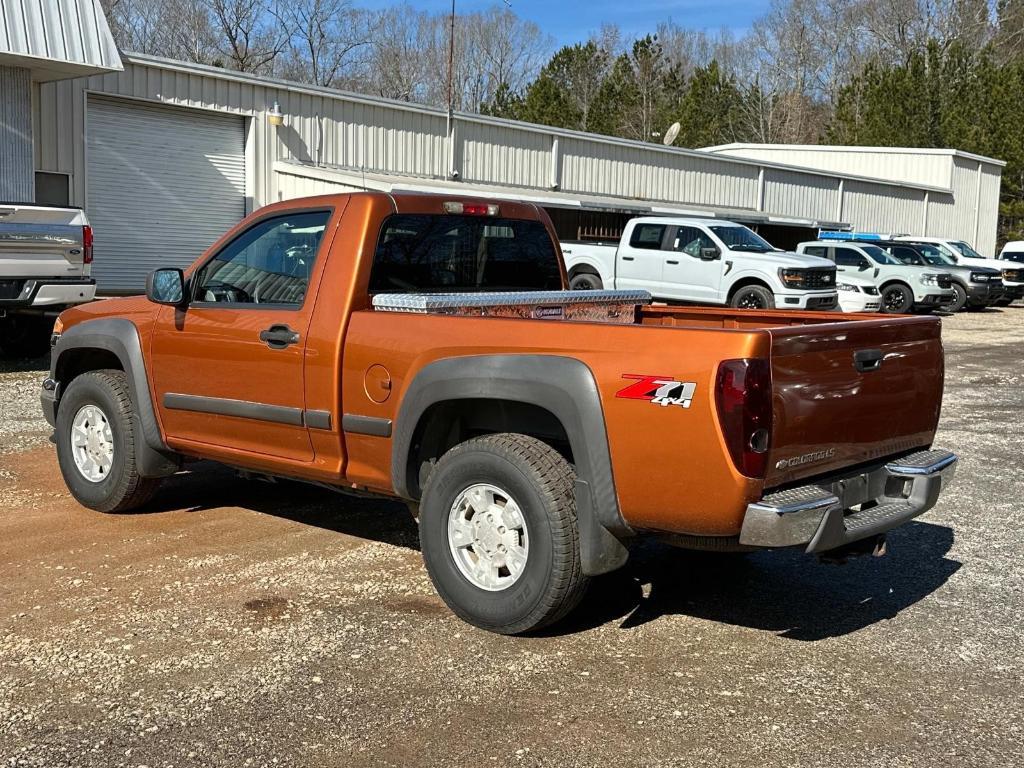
x: 569, y: 21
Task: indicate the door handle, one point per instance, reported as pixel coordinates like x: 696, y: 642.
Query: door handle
x: 279, y: 336
x: 627, y: 258
x: 671, y: 261
x: 865, y: 360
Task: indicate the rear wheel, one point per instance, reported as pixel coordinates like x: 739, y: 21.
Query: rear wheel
x: 753, y: 297
x: 95, y: 436
x: 499, y: 535
x: 959, y: 298
x: 585, y: 281
x: 897, y: 299
x: 25, y: 336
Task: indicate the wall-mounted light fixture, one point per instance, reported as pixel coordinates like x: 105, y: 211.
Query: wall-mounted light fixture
x: 274, y: 116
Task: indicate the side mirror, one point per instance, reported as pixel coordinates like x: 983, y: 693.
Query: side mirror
x: 166, y: 286
x: 709, y: 254
x: 864, y: 265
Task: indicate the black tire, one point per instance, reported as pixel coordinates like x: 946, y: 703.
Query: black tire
x: 752, y: 297
x: 25, y: 336
x: 959, y: 298
x: 897, y: 299
x: 585, y: 281
x: 123, y: 488
x: 542, y: 483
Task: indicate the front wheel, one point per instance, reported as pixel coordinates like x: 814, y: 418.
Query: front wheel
x: 95, y: 436
x: 897, y: 299
x: 753, y: 297
x: 499, y: 534
x: 959, y: 298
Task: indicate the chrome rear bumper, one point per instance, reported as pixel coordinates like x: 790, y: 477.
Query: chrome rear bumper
x: 834, y: 513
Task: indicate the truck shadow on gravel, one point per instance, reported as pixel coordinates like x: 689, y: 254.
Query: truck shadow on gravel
x: 785, y: 592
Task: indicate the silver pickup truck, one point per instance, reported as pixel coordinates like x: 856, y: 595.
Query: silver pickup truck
x: 45, y: 260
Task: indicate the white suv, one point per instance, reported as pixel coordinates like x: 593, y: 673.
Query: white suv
x: 963, y: 253
x: 902, y: 288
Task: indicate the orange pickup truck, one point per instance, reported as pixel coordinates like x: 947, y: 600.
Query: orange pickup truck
x: 424, y: 348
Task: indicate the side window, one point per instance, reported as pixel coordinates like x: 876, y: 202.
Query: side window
x: 269, y: 263
x: 690, y: 240
x: 905, y: 255
x: 647, y: 236
x: 848, y: 257
x: 816, y: 250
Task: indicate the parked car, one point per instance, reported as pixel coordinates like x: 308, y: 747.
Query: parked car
x: 45, y: 258
x: 423, y: 348
x: 704, y: 261
x: 857, y: 294
x: 964, y: 255
x: 1013, y: 271
x: 975, y: 287
x: 903, y: 288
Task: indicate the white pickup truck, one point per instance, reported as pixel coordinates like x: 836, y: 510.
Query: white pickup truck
x: 704, y: 261
x: 45, y: 258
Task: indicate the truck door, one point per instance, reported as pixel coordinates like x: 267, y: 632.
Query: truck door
x: 689, y: 274
x: 228, y: 369
x: 640, y: 260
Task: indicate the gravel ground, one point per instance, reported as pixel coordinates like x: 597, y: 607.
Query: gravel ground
x: 238, y: 623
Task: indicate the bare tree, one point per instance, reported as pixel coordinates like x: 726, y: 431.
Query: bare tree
x: 250, y: 37
x: 327, y: 38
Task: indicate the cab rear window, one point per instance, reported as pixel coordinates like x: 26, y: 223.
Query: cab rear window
x: 445, y: 253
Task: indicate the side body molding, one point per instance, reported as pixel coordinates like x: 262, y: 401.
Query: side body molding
x: 561, y: 385
x: 120, y: 337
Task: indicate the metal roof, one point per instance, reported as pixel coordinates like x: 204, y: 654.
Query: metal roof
x: 397, y: 183
x: 849, y: 148
x: 56, y: 39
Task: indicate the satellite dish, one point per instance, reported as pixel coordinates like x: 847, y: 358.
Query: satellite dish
x: 671, y: 134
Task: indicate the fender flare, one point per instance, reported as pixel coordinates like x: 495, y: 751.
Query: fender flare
x: 120, y: 337
x: 561, y: 385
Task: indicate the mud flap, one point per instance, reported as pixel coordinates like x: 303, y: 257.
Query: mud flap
x: 600, y: 550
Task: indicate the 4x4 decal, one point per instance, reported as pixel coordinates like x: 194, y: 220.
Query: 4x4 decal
x: 660, y: 390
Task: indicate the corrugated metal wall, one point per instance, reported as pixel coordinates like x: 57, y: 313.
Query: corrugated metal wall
x: 790, y: 194
x: 63, y: 30
x: 344, y: 131
x: 17, y: 177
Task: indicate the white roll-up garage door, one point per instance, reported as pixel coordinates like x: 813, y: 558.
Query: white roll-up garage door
x: 163, y: 184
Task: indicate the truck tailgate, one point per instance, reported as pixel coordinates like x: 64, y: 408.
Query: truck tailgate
x: 37, y: 241
x: 849, y: 393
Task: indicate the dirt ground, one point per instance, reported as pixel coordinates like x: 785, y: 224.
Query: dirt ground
x: 239, y: 623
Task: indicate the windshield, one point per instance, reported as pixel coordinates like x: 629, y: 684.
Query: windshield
x: 880, y: 256
x: 431, y: 253
x: 966, y: 250
x: 742, y: 239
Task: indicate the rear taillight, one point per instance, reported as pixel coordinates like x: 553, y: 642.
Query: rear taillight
x: 743, y: 394
x: 87, y: 244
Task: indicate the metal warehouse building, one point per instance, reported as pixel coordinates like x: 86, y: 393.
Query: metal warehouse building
x: 166, y: 155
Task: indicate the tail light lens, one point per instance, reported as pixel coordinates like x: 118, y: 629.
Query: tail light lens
x: 743, y: 394
x: 87, y: 244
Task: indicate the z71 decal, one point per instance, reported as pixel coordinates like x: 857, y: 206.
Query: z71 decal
x: 659, y: 390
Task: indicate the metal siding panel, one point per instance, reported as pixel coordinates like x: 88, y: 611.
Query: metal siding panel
x: 793, y: 194
x: 164, y: 183
x: 883, y: 208
x: 989, y: 214
x: 71, y: 31
x: 17, y: 178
